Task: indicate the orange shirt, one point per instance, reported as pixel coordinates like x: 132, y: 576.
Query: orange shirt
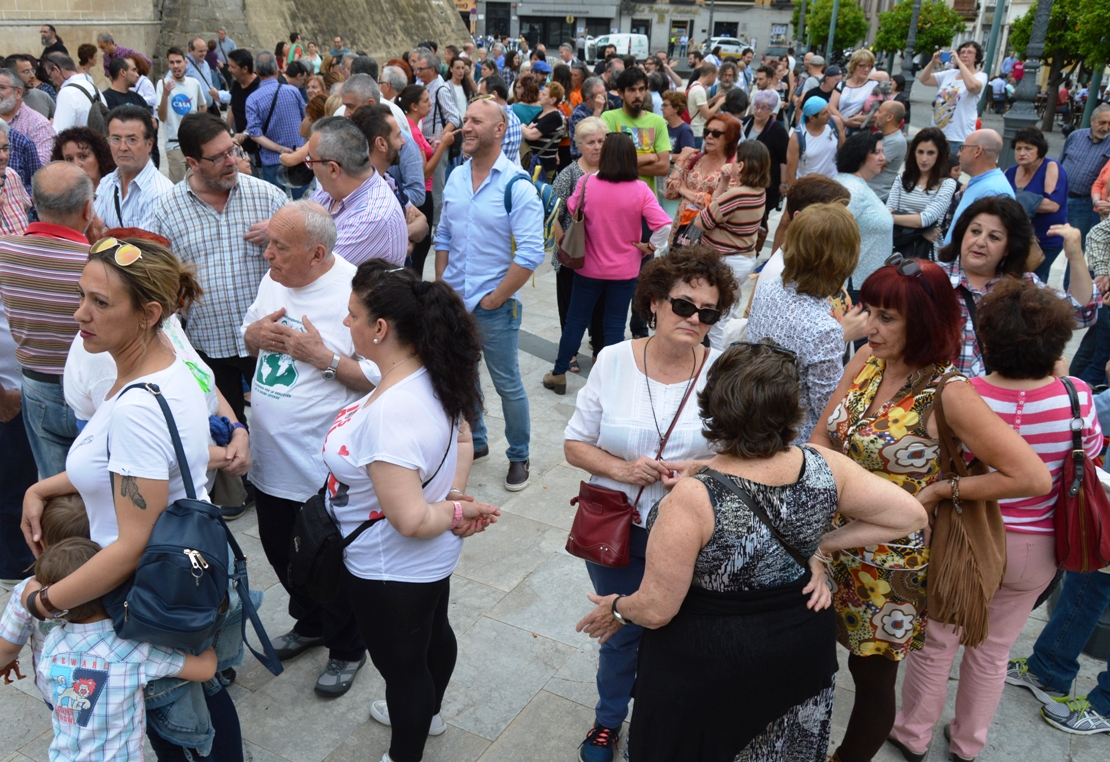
x: 575, y: 98
x: 565, y: 109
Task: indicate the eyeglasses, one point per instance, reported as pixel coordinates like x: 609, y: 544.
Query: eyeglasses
x: 714, y: 133
x: 126, y: 254
x: 310, y: 162
x: 231, y: 153
x: 774, y: 348
x: 130, y: 141
x: 968, y: 145
x: 761, y: 107
x: 908, y: 267
x: 6, y: 148
x: 685, y: 308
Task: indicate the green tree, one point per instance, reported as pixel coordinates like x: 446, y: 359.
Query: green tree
x: 1065, y: 47
x: 851, y: 23
x: 937, y: 26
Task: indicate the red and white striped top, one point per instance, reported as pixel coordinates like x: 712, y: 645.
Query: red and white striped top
x: 1043, y: 418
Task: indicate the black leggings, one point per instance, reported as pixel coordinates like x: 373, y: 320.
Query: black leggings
x: 873, y: 713
x: 413, y: 646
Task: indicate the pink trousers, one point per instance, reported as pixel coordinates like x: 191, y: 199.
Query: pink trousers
x: 1030, y: 565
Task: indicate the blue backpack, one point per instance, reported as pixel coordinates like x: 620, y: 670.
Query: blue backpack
x: 548, y: 198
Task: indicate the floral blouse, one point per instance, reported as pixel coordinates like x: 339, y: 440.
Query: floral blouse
x: 697, y: 179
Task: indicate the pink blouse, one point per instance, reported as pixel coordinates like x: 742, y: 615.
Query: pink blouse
x: 423, y: 144
x: 612, y: 218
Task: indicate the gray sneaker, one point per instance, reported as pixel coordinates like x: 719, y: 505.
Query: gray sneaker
x: 1075, y: 716
x: 1017, y: 673
x: 337, y: 677
x: 291, y: 644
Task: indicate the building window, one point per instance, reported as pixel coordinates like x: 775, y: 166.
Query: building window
x: 498, y: 16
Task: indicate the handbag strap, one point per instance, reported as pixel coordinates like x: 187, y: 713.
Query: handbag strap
x: 1078, y: 454
x: 951, y: 459
x: 581, y: 213
x: 757, y: 511
x: 969, y: 302
x: 674, y: 421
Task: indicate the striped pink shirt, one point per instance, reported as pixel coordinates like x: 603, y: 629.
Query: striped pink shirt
x: 1043, y: 418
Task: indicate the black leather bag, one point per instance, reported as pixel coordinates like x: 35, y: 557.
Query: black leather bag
x: 178, y: 595
x: 316, y: 547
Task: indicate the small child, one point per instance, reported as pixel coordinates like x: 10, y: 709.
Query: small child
x: 63, y: 517
x: 96, y: 678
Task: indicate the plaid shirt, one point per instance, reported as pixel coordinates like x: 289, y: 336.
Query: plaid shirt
x: 370, y: 223
x: 97, y: 681
x: 121, y: 52
x: 1098, y: 248
x: 14, y: 203
x: 510, y: 141
x: 228, y: 267
x: 24, y: 158
x: 285, y: 125
x: 17, y: 626
x: 1082, y: 159
x: 970, y: 360
x: 38, y: 128
x: 443, y: 110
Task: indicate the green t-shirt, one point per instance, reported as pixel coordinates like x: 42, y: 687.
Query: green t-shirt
x: 648, y: 131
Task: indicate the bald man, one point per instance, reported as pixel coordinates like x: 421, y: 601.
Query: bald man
x: 889, y: 121
x: 38, y: 286
x: 979, y: 158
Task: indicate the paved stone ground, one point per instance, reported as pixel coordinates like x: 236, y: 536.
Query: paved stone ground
x: 523, y: 688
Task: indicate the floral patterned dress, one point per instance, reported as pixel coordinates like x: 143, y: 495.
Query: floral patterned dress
x: 698, y: 180
x: 879, y: 592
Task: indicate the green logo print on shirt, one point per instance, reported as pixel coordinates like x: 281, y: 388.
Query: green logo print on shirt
x: 276, y: 370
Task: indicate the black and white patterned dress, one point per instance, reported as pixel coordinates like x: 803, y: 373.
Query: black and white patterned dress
x: 743, y: 557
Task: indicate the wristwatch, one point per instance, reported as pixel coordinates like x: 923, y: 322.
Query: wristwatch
x: 329, y: 372
x: 617, y: 614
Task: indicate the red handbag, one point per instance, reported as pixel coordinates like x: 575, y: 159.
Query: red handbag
x: 602, y: 525
x: 1082, y: 519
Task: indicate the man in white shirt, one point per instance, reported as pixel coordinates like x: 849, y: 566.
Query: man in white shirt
x: 76, y: 92
x: 177, y: 95
x: 307, y: 372
x: 392, y: 82
x: 126, y: 198
x: 700, y: 105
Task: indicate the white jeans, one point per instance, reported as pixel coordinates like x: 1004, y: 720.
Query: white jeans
x: 741, y: 267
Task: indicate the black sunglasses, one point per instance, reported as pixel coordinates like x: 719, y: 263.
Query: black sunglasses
x: 774, y: 348
x: 715, y: 134
x: 685, y: 308
x: 909, y: 267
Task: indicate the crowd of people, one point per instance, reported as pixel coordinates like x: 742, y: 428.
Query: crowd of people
x: 265, y: 277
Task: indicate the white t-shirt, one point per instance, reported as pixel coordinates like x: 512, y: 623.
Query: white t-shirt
x: 88, y: 377
x: 141, y: 446
x: 72, y: 106
x: 696, y: 97
x: 614, y: 413
x: 405, y: 426
x: 853, y: 98
x: 292, y: 404
x: 185, y: 99
x: 954, y: 108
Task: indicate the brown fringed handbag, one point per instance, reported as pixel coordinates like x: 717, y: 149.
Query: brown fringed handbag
x: 967, y: 557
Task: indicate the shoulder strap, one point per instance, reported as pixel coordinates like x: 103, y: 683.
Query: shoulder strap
x: 92, y: 98
x: 1078, y: 455
x: 175, y: 437
x: 270, y: 115
x: 509, y: 191
x: 951, y: 455
x: 757, y: 511
x: 969, y: 302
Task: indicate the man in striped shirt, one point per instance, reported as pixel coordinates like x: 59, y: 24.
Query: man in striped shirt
x: 367, y: 215
x: 38, y: 285
x: 126, y: 197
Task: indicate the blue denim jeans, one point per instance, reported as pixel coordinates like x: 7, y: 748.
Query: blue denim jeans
x: 270, y: 175
x: 1045, y: 267
x: 51, y: 425
x: 500, y: 332
x: 1082, y: 215
x: 583, y: 296
x: 616, y: 665
x: 1083, y: 599
x: 17, y: 474
x: 1089, y: 362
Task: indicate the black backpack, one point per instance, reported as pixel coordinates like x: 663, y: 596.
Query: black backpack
x: 98, y: 112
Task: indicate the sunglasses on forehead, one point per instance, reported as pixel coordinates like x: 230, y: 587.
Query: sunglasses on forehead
x: 908, y: 267
x: 126, y: 254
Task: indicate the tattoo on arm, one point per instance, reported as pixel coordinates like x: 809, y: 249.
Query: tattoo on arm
x: 129, y: 488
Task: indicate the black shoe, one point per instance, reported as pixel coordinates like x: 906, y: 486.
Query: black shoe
x: 952, y: 755
x: 481, y: 453
x: 229, y: 675
x: 232, y: 512
x: 909, y: 755
x: 291, y: 644
x: 517, y: 478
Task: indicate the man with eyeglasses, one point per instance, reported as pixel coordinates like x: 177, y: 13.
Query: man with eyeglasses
x: 177, y: 95
x: 217, y: 220
x: 20, y: 117
x: 979, y: 158
x: 126, y: 198
x: 444, y: 111
x: 14, y: 201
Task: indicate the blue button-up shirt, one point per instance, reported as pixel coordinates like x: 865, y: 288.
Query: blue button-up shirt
x: 408, y: 172
x: 478, y: 233
x: 202, y: 74
x: 1083, y: 158
x: 992, y: 183
x: 285, y: 125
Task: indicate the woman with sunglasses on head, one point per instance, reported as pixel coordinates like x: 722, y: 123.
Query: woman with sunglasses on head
x: 616, y: 203
x: 696, y: 174
x: 993, y: 239
x: 1024, y: 330
x: 633, y: 396
x: 736, y: 555
x: 880, y: 415
x: 859, y: 160
x: 123, y: 465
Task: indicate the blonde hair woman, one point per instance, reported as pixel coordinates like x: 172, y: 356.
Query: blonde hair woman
x: 848, y: 99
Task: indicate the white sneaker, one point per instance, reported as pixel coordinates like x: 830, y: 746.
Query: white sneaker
x: 380, y: 712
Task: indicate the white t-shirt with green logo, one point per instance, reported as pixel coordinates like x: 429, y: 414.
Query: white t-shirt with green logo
x: 292, y: 404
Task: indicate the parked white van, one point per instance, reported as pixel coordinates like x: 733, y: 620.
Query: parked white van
x: 626, y: 44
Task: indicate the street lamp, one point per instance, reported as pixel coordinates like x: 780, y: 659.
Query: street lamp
x: 1023, y: 113
x: 801, y: 31
x: 832, y: 32
x: 908, y: 55
x: 992, y: 49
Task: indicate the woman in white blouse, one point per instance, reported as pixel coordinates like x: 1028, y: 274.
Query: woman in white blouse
x: 921, y: 195
x: 622, y: 414
x: 850, y: 96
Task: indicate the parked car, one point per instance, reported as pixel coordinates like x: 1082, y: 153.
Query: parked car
x: 730, y: 46
x: 626, y: 44
x: 777, y: 52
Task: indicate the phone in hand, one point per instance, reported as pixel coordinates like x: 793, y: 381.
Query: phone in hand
x: 945, y: 56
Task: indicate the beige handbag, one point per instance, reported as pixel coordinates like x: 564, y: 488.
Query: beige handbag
x: 572, y: 249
